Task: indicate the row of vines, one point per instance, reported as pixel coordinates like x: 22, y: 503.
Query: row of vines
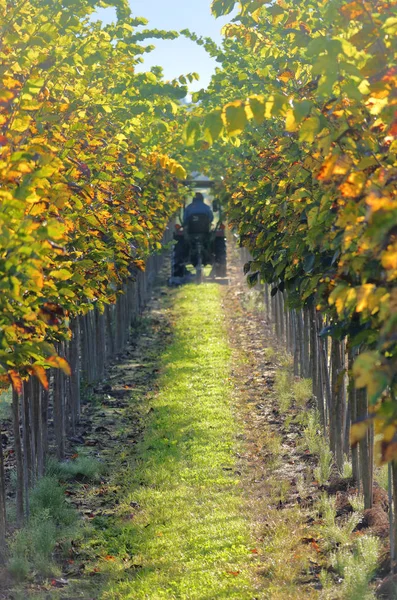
x: 299, y: 124
x: 89, y: 181
x: 299, y: 127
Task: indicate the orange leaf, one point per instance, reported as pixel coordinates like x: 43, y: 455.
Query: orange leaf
x: 16, y: 381
x: 39, y: 372
x: 234, y: 573
x: 315, y: 546
x: 59, y: 363
x: 286, y: 75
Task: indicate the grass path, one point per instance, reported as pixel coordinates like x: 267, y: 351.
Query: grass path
x: 190, y: 537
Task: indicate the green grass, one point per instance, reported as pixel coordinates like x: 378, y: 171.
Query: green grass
x: 5, y: 404
x: 84, y: 468
x: 283, y: 387
x: 190, y: 538
x: 51, y: 523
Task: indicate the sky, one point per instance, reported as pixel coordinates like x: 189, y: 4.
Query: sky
x: 180, y: 56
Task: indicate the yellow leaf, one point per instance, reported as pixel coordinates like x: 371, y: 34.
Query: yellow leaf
x: 21, y: 124
x: 61, y: 274
x: 290, y: 121
x: 363, y: 294
x: 358, y: 431
x: 389, y: 257
x: 59, y: 363
x: 235, y: 117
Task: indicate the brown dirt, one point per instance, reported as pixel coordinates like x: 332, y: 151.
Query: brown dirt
x: 263, y: 425
x: 250, y: 334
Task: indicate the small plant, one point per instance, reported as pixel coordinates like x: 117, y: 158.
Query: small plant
x: 347, y: 472
x: 84, y: 468
x: 382, y: 477
x: 48, y: 498
x: 33, y: 546
x: 280, y: 491
x: 357, y: 502
x: 312, y: 437
x: 302, y: 391
x: 286, y: 360
x: 357, y: 567
x: 335, y: 534
x: 283, y: 383
x: 323, y: 471
x: 269, y: 353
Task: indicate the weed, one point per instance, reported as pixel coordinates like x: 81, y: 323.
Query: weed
x: 48, y: 497
x: 382, y: 477
x: 279, y: 491
x: 323, y: 471
x: 282, y: 544
x: 302, y: 391
x: 84, y: 468
x: 269, y: 353
x: 335, y: 534
x: 253, y: 300
x: 18, y: 566
x: 283, y: 383
x: 285, y: 360
x: 312, y: 437
x: 357, y: 502
x: 347, y: 472
x: 357, y: 567
x: 32, y: 547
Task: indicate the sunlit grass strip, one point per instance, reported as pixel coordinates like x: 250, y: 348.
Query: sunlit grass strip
x: 191, y: 537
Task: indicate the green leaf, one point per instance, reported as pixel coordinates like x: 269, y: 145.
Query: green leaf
x: 309, y: 129
x: 192, y: 132
x: 302, y: 110
x: 222, y: 7
x: 61, y: 274
x: 258, y: 107
x: 236, y: 117
x: 213, y: 126
x: 390, y: 26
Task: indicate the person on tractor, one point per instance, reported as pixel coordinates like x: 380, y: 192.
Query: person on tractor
x: 197, y: 207
x: 198, y: 244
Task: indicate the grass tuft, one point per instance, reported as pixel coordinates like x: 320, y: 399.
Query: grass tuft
x: 323, y: 471
x: 83, y: 468
x: 283, y: 388
x: 357, y: 568
x: 302, y: 392
x: 32, y: 548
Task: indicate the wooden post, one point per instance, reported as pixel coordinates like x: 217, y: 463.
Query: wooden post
x: 364, y: 447
x: 59, y: 414
x: 352, y: 406
x: 18, y: 457
x: 3, y: 513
